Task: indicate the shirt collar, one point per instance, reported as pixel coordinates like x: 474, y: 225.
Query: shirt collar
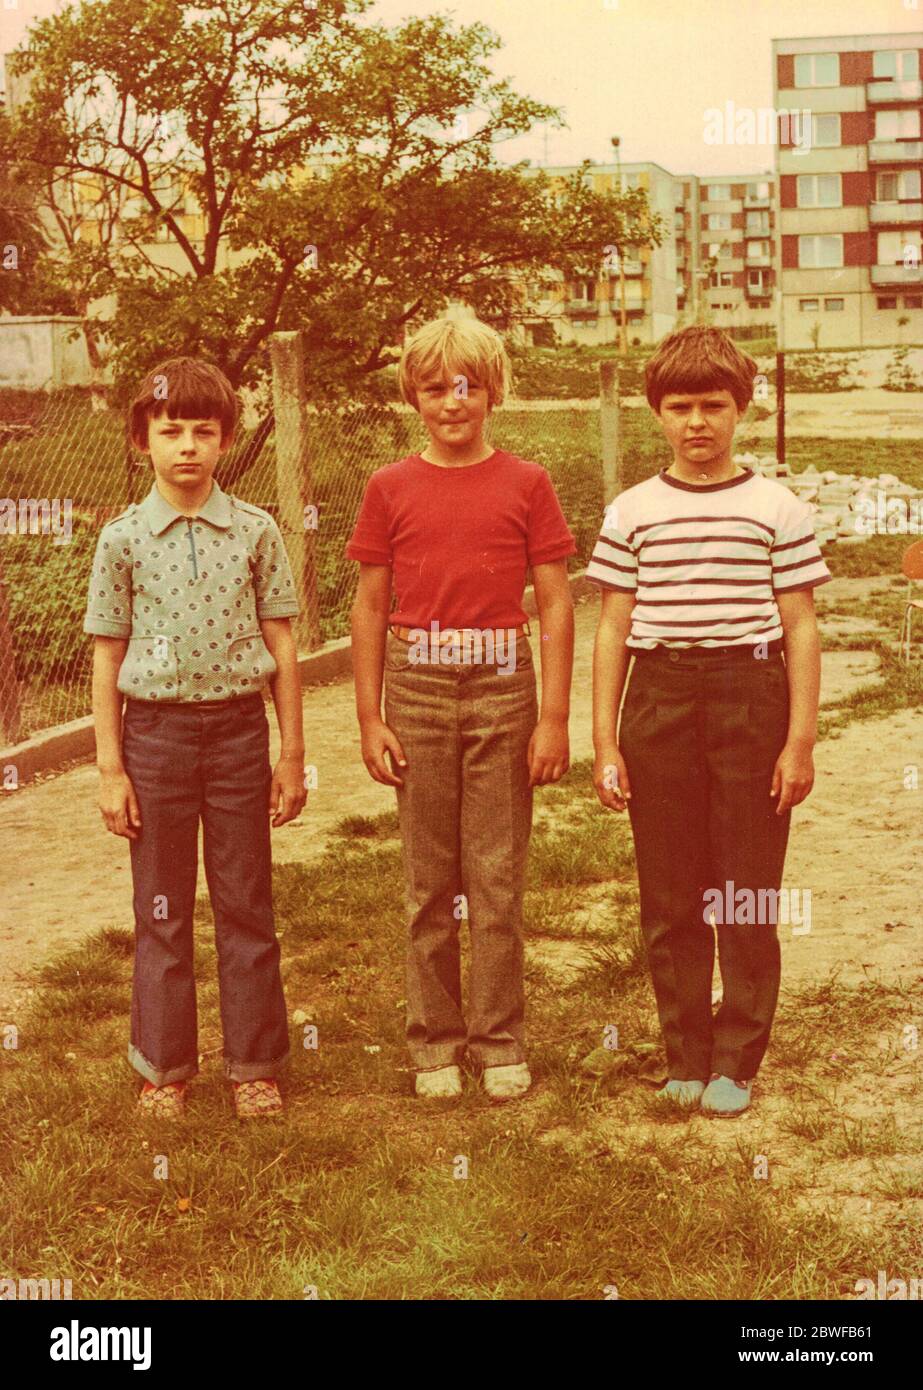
x: 160, y: 514
x: 743, y: 477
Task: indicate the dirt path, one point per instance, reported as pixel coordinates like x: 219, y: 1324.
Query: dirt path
x: 852, y: 841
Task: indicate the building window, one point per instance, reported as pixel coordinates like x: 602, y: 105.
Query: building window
x: 718, y: 192
x: 913, y: 301
x: 896, y: 185
x: 756, y: 279
x: 886, y: 302
x: 834, y: 305
x: 809, y: 306
x: 900, y: 66
x: 827, y: 129
x: 820, y: 252
x: 757, y: 190
x: 897, y: 125
x: 719, y: 221
x: 721, y: 279
x: 817, y: 70
x: 820, y: 191
x: 757, y: 222
x: 757, y: 248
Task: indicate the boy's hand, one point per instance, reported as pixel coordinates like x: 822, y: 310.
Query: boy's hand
x: 610, y: 778
x: 119, y: 805
x: 377, y: 738
x: 548, y: 752
x: 793, y: 776
x: 287, y: 794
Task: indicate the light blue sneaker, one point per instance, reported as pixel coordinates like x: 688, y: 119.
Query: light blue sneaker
x: 682, y: 1092
x: 726, y: 1097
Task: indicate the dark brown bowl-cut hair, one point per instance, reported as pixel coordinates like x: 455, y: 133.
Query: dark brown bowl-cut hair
x: 183, y: 388
x: 699, y: 359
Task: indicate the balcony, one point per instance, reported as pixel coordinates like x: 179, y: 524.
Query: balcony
x: 888, y: 92
x: 755, y: 201
x: 757, y: 258
x: 896, y: 274
x: 758, y: 291
x: 895, y: 214
x: 633, y: 269
x: 895, y: 151
x: 580, y: 309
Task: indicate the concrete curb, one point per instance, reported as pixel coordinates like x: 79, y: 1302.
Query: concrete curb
x: 52, y: 748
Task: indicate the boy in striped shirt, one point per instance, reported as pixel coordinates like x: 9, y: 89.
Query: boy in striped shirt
x: 706, y: 572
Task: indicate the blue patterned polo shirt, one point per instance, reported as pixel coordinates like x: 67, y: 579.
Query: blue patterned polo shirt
x: 189, y: 593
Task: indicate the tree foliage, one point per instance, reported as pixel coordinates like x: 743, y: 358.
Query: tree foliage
x: 345, y: 171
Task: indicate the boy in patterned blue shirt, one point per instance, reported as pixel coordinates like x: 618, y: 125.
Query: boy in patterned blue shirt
x: 190, y: 602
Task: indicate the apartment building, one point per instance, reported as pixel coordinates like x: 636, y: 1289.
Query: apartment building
x: 850, y: 205
x: 725, y: 230
x: 589, y: 311
x: 716, y: 260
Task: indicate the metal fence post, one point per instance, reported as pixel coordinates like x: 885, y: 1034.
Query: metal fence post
x: 609, y: 427
x: 293, y: 479
x: 10, y: 709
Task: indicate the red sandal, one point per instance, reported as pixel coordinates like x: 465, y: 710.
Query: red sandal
x: 254, y: 1099
x: 165, y: 1102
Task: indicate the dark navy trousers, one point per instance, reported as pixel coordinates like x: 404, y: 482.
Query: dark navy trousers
x: 187, y: 762
x: 700, y: 734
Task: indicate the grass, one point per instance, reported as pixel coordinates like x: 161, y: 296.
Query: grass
x: 358, y: 1192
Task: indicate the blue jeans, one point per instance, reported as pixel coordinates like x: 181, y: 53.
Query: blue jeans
x: 208, y: 760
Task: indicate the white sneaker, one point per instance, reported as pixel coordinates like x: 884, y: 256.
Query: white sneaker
x: 443, y: 1083
x: 507, y: 1083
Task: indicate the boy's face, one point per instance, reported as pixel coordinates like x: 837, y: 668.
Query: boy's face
x: 185, y: 453
x: 699, y: 425
x: 453, y: 408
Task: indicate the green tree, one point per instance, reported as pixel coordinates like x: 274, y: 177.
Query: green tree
x: 352, y: 164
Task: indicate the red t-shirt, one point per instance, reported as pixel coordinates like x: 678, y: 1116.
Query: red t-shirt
x: 460, y: 539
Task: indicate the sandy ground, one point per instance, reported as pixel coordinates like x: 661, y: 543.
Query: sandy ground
x: 868, y: 412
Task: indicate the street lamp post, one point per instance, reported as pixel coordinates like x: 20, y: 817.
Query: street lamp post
x: 623, y: 314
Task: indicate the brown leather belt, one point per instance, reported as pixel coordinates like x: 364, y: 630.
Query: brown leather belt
x: 449, y: 634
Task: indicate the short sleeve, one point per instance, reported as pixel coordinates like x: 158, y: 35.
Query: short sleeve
x: 613, y: 564
x: 108, y: 611
x: 549, y: 536
x: 370, y: 541
x: 796, y: 559
x: 272, y: 576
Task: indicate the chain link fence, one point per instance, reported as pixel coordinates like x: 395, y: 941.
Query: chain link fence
x: 66, y: 471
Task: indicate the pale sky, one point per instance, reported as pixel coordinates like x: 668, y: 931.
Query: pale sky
x: 645, y: 70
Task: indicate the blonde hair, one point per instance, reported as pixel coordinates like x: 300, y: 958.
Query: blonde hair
x: 699, y: 359
x: 450, y: 347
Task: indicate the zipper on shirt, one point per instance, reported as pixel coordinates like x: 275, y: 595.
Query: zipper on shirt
x: 191, y: 538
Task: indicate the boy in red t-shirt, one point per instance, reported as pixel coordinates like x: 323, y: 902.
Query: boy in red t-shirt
x: 455, y: 528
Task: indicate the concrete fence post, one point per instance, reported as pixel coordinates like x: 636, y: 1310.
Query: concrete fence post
x: 293, y: 478
x: 609, y: 428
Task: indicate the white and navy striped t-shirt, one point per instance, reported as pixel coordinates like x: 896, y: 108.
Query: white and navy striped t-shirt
x: 706, y: 561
